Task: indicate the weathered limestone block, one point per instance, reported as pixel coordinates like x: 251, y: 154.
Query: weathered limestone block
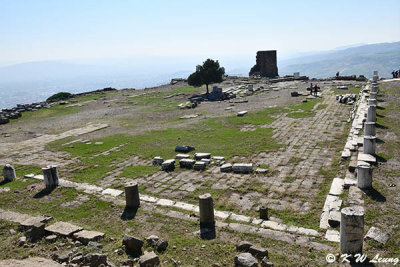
x: 243, y: 246
x: 352, y: 230
x: 206, y: 207
x: 227, y: 167
x: 377, y: 235
x: 158, y: 160
x: 242, y: 167
x: 364, y: 176
x: 149, y: 259
x: 132, y: 195
x: 369, y: 129
x: 168, y: 165
x: 187, y: 163
x: 199, y: 156
x: 9, y: 173
x: 182, y: 156
x: 372, y: 101
x: 245, y: 260
x: 85, y: 236
x: 199, y: 165
x: 334, y: 218
x: 242, y: 113
x: 369, y: 145
x: 206, y: 161
x: 63, y: 229
x: 132, y: 245
x: 258, y: 252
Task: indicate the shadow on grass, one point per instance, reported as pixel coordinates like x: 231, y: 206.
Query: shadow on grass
x: 380, y: 141
x: 380, y: 126
x: 129, y: 214
x: 380, y: 159
x: 44, y: 192
x: 375, y: 195
x: 380, y: 107
x: 4, y: 182
x: 380, y: 116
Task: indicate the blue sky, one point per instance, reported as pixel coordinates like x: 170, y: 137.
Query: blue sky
x: 33, y: 30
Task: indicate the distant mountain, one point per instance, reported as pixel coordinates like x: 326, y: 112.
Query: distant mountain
x: 359, y: 60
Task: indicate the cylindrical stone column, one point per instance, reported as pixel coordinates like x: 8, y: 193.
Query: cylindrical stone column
x: 375, y: 78
x: 369, y: 129
x: 132, y: 195
x: 351, y: 230
x: 263, y: 212
x: 369, y: 145
x: 372, y: 102
x: 374, y: 89
x: 54, y: 174
x: 364, y: 176
x: 9, y: 173
x: 47, y: 177
x: 371, y: 115
x: 375, y: 72
x: 206, y: 206
x: 373, y: 95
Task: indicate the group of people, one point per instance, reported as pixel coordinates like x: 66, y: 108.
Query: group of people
x: 396, y: 74
x: 313, y: 89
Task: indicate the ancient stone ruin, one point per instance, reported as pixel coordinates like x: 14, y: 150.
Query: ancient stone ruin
x: 266, y: 65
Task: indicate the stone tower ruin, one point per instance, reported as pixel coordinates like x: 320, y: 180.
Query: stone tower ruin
x: 266, y: 65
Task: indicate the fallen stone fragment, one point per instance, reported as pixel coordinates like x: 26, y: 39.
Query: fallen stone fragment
x: 245, y: 260
x: 187, y: 163
x: 199, y: 165
x: 334, y: 218
x: 332, y: 235
x: 182, y: 156
x: 199, y: 156
x: 63, y: 229
x: 95, y: 259
x: 266, y: 263
x: 152, y: 240
x: 61, y: 257
x: 377, y: 235
x: 242, y: 113
x: 132, y: 245
x: 30, y: 262
x: 243, y: 246
x: 158, y: 160
x: 149, y: 260
x: 242, y: 167
x: 184, y: 149
x: 227, y: 167
x: 261, y: 170
x: 85, y: 236
x: 51, y: 238
x: 258, y: 252
x: 168, y: 165
x: 36, y: 232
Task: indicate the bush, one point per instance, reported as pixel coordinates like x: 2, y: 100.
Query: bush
x: 59, y: 96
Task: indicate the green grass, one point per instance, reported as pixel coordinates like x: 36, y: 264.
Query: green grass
x: 137, y: 171
x: 52, y: 112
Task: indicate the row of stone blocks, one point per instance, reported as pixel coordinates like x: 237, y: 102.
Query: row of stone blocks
x: 352, y: 218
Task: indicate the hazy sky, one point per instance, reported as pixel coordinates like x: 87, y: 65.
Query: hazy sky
x: 33, y: 30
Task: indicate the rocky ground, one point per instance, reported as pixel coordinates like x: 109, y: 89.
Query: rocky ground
x: 100, y: 141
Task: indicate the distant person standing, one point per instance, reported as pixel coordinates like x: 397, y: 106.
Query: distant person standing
x: 315, y: 89
x: 394, y: 74
x: 311, y: 88
x: 337, y: 74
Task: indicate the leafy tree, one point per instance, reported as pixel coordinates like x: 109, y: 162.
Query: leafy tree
x: 209, y: 72
x: 59, y: 96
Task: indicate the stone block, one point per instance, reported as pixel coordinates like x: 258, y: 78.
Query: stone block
x: 149, y: 260
x: 243, y: 246
x: 199, y: 156
x: 63, y: 229
x: 242, y: 113
x: 199, y: 165
x: 168, y: 165
x: 334, y: 218
x: 85, y: 236
x: 9, y: 173
x: 184, y: 149
x: 242, y: 167
x: 158, y: 160
x: 227, y: 167
x: 377, y: 235
x: 258, y: 252
x: 132, y: 245
x: 245, y: 260
x: 187, y: 163
x: 182, y: 156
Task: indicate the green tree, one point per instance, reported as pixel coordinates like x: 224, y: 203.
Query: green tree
x: 209, y: 72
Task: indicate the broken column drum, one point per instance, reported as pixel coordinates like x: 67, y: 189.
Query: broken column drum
x: 371, y: 114
x: 263, y: 212
x: 50, y: 176
x: 373, y: 95
x: 206, y: 206
x: 364, y: 176
x: 132, y: 195
x: 369, y: 145
x: 374, y: 89
x: 369, y: 129
x: 9, y: 173
x: 351, y: 230
x: 372, y: 102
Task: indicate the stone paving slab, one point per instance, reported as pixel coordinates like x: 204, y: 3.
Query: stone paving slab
x: 85, y: 236
x: 112, y: 192
x: 336, y: 187
x: 29, y: 262
x: 21, y: 218
x: 63, y: 228
x: 377, y: 235
x: 332, y: 235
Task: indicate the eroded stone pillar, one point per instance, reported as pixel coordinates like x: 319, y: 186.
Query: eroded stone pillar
x: 375, y: 78
x: 263, y: 212
x: 369, y: 145
x: 364, y: 176
x: 371, y: 114
x: 50, y: 175
x: 369, y: 129
x: 9, y: 173
x: 374, y: 89
x: 351, y: 230
x: 373, y: 95
x: 132, y: 195
x: 206, y: 206
x: 372, y: 102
